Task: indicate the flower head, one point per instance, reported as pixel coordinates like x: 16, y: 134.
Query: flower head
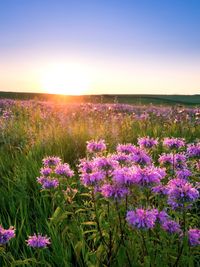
x: 147, y: 142
x: 179, y: 191
x: 174, y: 143
x: 38, y: 241
x: 64, y: 170
x: 6, y: 235
x: 193, y: 150
x: 114, y: 191
x: 141, y: 218
x: 51, y: 161
x: 194, y: 237
x: 171, y: 227
x: 48, y: 182
x: 96, y: 146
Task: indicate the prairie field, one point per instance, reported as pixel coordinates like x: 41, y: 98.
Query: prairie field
x: 99, y: 184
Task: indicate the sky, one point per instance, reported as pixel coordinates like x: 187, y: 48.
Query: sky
x: 100, y: 47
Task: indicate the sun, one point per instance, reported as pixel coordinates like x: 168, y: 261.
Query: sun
x: 66, y: 79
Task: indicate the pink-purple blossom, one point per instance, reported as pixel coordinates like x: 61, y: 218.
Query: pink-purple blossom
x: 141, y: 218
x: 38, y: 241
x: 96, y: 146
x: 173, y: 143
x: 194, y: 237
x: 6, y: 235
x: 147, y: 142
x: 64, y: 170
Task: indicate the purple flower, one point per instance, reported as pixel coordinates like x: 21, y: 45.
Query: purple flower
x: 114, y: 191
x: 6, y: 235
x: 140, y: 156
x: 106, y: 164
x: 96, y: 146
x: 46, y: 171
x: 162, y: 216
x: 48, y: 182
x: 124, y: 176
x: 179, y: 191
x: 38, y: 241
x: 125, y: 148
x: 122, y: 158
x: 174, y: 143
x: 147, y: 142
x: 90, y: 175
x: 51, y: 161
x: 171, y: 227
x: 159, y: 189
x: 149, y: 175
x: 178, y: 160
x: 194, y: 237
x: 193, y: 150
x: 141, y: 218
x: 183, y: 174
x: 64, y: 170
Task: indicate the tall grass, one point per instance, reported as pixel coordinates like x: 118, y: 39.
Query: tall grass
x: 33, y: 131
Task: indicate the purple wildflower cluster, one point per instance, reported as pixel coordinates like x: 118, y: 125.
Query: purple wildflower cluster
x: 193, y: 150
x: 136, y: 154
x: 38, y: 241
x: 178, y: 160
x: 141, y: 218
x: 174, y: 143
x: 6, y: 235
x: 96, y: 146
x: 147, y: 142
x: 53, y: 169
x: 194, y: 237
x: 147, y: 219
x: 180, y: 192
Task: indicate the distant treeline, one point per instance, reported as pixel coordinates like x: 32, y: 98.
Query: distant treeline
x: 107, y: 98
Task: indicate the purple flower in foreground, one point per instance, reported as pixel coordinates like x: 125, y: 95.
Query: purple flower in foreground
x: 193, y: 150
x: 149, y: 175
x: 47, y: 182
x: 122, y: 158
x: 174, y: 143
x: 162, y: 216
x: 114, y: 191
x: 183, y: 174
x: 178, y: 160
x: 140, y: 156
x: 141, y: 218
x: 179, y: 191
x: 147, y: 142
x: 107, y: 164
x: 64, y: 170
x: 194, y: 237
x: 51, y: 161
x: 171, y: 227
x: 125, y: 148
x: 46, y: 171
x: 38, y: 241
x: 96, y: 146
x: 6, y: 235
x: 159, y: 189
x: 89, y: 173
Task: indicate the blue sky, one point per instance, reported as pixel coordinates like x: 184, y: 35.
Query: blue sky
x: 135, y: 46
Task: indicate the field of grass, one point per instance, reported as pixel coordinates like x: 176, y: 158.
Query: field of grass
x: 86, y: 222
x: 127, y: 99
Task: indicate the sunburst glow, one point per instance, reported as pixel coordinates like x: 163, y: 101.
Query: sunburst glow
x: 67, y: 79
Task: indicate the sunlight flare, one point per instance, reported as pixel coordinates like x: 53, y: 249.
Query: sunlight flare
x: 66, y: 79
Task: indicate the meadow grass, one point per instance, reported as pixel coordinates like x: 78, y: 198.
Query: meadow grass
x: 32, y: 132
